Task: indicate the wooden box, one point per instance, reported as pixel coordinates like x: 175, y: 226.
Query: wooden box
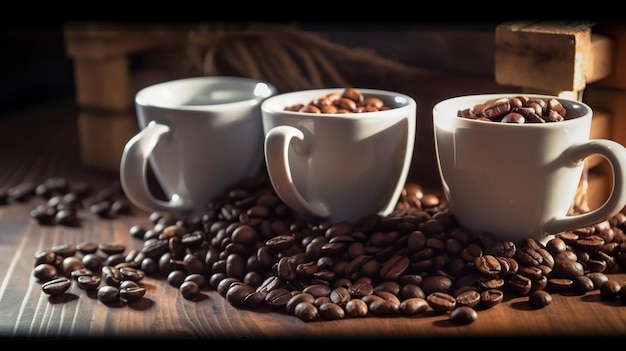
x: 111, y: 64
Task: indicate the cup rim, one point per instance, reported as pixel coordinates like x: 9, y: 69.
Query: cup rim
x: 145, y: 96
x: 586, y: 110
x: 272, y: 105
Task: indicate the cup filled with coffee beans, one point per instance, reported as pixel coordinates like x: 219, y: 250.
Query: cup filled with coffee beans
x: 339, y: 154
x: 510, y: 164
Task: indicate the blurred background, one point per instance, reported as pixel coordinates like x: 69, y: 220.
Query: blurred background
x: 36, y: 67
x: 99, y: 66
x: 33, y: 68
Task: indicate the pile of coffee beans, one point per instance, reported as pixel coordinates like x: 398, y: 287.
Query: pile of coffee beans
x: 252, y: 250
x: 520, y: 109
x: 64, y: 198
x: 350, y: 101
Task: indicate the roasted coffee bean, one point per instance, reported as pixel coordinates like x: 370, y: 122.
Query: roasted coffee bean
x: 437, y: 283
x: 108, y: 294
x: 392, y: 299
x: 610, y: 289
x: 237, y: 292
x: 308, y: 312
x: 64, y: 250
x: 111, y: 248
x: 568, y: 269
x: 87, y: 247
x: 539, y: 298
x: 463, y: 315
x: 360, y: 289
x: 200, y: 280
x: 81, y: 272
x: 488, y: 284
x: 441, y: 302
x: 413, y: 305
x: 280, y: 243
x: 56, y: 286
x: 583, y: 284
x: 137, y: 232
x: 115, y: 259
x: 44, y: 214
x: 296, y: 299
x: 112, y: 276
x: 89, y: 282
x: 130, y: 273
x: 70, y: 264
x: 469, y: 298
x: 155, y: 248
x: 93, y: 261
x: 189, y: 290
x: 488, y: 266
x: 278, y: 297
x: 340, y: 296
x: 176, y: 277
x: 383, y: 306
x: 45, y: 272
x: 492, y: 297
x: 528, y: 256
x: 128, y: 284
x: 132, y: 293
x: 356, y: 308
x: 597, y: 278
x: 330, y: 311
x: 559, y: 284
x: 254, y: 300
x: 394, y: 267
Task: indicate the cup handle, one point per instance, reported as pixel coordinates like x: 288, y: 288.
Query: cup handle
x: 134, y: 168
x: 277, y: 142
x: 615, y: 153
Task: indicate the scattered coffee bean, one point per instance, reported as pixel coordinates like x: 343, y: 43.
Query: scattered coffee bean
x: 463, y: 315
x: 89, y: 282
x: 540, y: 298
x: 132, y: 293
x: 108, y: 294
x: 56, y: 286
x: 441, y: 302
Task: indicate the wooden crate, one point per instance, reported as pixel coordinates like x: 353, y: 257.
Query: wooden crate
x: 107, y: 77
x: 551, y: 57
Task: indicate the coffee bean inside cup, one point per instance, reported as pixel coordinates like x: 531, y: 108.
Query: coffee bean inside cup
x: 350, y: 101
x: 519, y: 109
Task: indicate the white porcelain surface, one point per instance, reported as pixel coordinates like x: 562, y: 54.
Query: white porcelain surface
x: 335, y: 167
x: 199, y: 135
x: 519, y: 180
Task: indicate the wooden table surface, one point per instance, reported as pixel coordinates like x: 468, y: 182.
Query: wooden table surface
x: 42, y: 142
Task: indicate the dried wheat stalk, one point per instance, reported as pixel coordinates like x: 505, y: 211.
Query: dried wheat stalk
x: 288, y: 57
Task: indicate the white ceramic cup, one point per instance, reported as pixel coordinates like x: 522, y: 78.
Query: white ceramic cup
x: 338, y: 167
x: 199, y: 135
x: 520, y: 180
